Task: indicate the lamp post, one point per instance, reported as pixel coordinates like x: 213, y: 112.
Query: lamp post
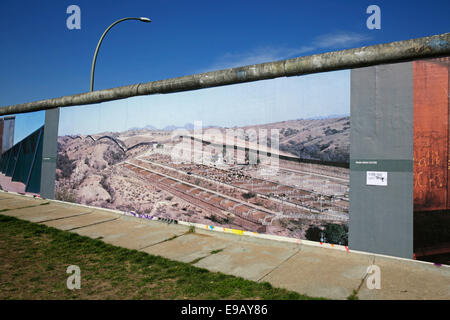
x: 143, y: 19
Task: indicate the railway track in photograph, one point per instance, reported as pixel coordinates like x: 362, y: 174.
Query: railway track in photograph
x: 219, y: 205
x: 245, y: 215
x: 286, y: 196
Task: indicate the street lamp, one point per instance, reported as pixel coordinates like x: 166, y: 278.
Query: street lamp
x: 143, y: 19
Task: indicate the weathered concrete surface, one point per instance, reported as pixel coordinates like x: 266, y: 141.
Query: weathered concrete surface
x: 10, y: 195
x: 191, y: 246
x: 23, y: 213
x: 131, y: 233
x: 249, y: 259
x: 321, y: 272
x: 15, y: 203
x: 80, y: 221
x: 405, y: 280
x: 307, y: 269
x: 42, y: 213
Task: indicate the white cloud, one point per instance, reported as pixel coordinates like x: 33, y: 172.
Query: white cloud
x: 267, y: 54
x: 259, y: 55
x: 341, y: 39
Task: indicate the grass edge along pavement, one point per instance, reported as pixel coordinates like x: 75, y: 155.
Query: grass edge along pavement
x: 34, y: 259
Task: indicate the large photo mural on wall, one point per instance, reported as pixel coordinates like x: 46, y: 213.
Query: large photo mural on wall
x: 270, y: 156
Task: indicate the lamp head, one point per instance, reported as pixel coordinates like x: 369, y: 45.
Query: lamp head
x: 144, y: 19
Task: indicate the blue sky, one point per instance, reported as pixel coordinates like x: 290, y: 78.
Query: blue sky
x: 40, y: 58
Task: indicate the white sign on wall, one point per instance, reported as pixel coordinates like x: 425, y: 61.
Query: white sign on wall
x: 376, y: 178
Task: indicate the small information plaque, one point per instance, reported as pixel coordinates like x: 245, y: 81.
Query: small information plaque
x: 376, y: 178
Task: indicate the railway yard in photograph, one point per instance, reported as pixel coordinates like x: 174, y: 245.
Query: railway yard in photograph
x: 138, y: 171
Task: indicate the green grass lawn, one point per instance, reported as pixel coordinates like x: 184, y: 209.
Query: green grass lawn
x: 34, y: 259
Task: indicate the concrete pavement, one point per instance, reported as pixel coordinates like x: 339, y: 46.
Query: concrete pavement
x: 312, y: 270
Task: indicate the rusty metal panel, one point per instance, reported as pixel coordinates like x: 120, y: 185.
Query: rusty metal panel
x: 431, y: 134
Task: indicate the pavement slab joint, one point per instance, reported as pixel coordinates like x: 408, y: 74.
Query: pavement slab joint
x: 92, y: 224
x: 282, y: 262
x: 208, y: 255
x: 25, y: 207
x: 165, y: 240
x: 62, y: 218
x: 364, y: 279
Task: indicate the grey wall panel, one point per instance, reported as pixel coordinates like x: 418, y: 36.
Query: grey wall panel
x: 49, y: 154
x: 8, y: 132
x: 381, y: 217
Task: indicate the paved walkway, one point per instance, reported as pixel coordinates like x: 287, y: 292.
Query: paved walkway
x: 311, y: 270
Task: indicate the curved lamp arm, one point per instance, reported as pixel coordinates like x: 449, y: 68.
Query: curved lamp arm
x: 143, y: 19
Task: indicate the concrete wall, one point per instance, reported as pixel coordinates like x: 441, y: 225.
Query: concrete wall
x: 381, y: 217
x: 49, y: 153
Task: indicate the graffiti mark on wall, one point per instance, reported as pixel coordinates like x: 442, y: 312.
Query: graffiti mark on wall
x: 430, y: 167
